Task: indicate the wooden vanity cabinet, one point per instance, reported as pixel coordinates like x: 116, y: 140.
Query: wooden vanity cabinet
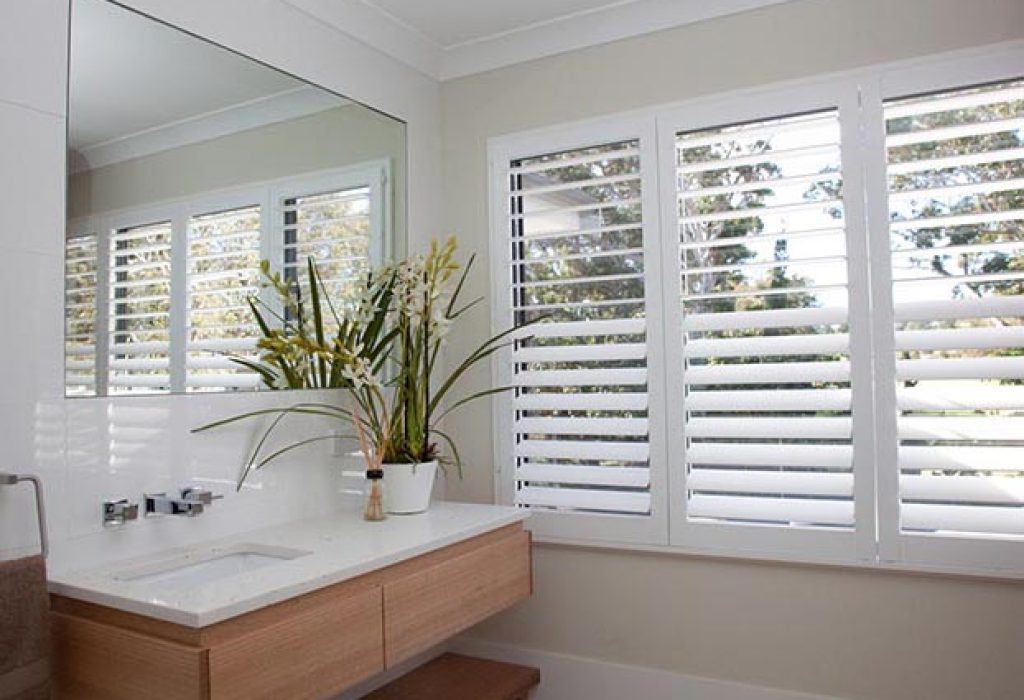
x: 311, y: 646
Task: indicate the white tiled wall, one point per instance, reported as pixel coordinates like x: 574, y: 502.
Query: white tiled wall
x: 33, y: 37
x: 86, y: 450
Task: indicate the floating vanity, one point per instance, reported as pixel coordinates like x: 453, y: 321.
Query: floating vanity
x: 302, y: 610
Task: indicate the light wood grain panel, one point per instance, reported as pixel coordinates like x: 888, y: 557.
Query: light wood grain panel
x: 104, y: 662
x: 244, y: 625
x: 151, y: 627
x: 311, y: 655
x: 429, y: 559
x: 426, y: 606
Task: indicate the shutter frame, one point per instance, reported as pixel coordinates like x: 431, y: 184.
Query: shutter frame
x: 583, y: 525
x: 928, y: 501
x: 855, y: 543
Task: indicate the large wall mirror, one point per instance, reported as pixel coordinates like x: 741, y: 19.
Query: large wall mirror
x: 189, y: 165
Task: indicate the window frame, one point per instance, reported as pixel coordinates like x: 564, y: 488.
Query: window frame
x: 858, y: 94
x: 812, y: 97
x: 268, y: 195
x: 893, y: 82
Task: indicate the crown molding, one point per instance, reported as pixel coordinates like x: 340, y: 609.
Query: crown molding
x: 364, y: 21
x: 378, y: 29
x: 282, y: 106
x: 582, y: 30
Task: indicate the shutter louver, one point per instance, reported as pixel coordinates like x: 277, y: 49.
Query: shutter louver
x: 955, y: 165
x: 768, y: 423
x: 223, y: 272
x: 139, y: 297
x: 333, y: 228
x: 80, y: 318
x: 580, y: 401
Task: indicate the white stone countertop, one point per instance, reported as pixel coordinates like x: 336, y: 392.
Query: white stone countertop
x: 334, y: 548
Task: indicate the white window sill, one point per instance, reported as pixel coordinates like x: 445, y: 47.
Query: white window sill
x: 977, y: 574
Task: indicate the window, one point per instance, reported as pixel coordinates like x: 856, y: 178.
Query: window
x: 576, y: 228
x: 955, y: 166
x: 157, y: 299
x: 767, y: 401
x: 713, y: 366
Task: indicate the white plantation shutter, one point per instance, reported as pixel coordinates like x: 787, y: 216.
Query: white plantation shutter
x: 955, y: 165
x: 139, y: 302
x: 80, y: 314
x: 768, y: 423
x: 579, y: 442
x: 813, y: 350
x: 223, y: 272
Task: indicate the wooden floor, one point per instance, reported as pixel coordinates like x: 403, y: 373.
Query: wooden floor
x: 457, y: 677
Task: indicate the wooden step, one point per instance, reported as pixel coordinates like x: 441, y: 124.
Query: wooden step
x: 457, y: 677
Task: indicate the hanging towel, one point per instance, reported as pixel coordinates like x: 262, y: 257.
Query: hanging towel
x: 24, y: 630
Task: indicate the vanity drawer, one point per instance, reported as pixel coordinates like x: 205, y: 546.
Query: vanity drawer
x: 311, y: 655
x: 102, y: 662
x: 425, y: 607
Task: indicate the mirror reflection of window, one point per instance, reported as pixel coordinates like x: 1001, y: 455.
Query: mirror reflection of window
x: 177, y: 321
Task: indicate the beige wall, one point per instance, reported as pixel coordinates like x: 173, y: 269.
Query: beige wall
x: 334, y: 138
x: 847, y: 633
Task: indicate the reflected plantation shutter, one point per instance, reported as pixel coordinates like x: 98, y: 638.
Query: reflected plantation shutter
x: 139, y: 302
x: 336, y: 228
x: 223, y: 272
x: 955, y: 168
x: 81, y: 275
x: 578, y: 431
x: 157, y: 296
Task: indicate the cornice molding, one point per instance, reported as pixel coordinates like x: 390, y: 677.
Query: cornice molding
x: 375, y: 27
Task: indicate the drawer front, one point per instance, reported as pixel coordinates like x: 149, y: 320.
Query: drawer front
x: 94, y: 660
x: 426, y: 607
x: 312, y: 655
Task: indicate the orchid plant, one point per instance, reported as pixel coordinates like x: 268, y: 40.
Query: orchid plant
x: 384, y: 355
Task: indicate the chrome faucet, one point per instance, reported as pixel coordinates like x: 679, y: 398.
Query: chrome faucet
x: 191, y: 502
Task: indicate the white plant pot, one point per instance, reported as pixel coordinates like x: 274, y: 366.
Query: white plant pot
x: 407, y: 487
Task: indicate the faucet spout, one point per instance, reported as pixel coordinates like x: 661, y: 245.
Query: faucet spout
x: 162, y: 504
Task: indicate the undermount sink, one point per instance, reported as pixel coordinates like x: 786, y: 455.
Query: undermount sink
x: 194, y: 569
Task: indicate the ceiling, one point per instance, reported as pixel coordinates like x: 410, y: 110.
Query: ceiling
x: 448, y: 39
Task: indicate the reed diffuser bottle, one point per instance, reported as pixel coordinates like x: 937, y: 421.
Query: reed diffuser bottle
x: 375, y: 499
